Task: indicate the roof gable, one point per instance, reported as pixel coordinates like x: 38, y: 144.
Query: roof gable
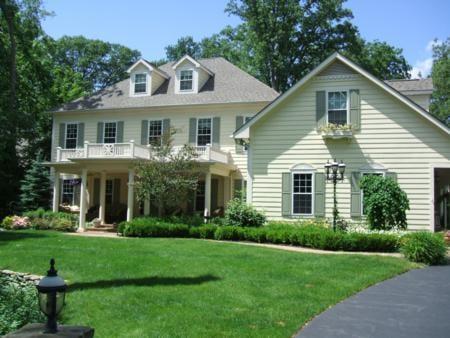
x: 192, y: 61
x: 243, y: 131
x: 149, y: 66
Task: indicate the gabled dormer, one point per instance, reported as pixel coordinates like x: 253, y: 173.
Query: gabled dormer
x: 145, y: 78
x: 190, y: 75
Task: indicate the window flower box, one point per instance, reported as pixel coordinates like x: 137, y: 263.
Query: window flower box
x: 333, y: 131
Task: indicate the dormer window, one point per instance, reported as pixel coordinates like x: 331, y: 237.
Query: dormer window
x: 140, y: 83
x: 186, y: 80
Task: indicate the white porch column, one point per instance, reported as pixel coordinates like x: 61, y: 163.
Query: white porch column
x: 207, y: 194
x: 56, y: 189
x: 249, y: 191
x: 147, y: 207
x: 130, y: 201
x: 83, y: 196
x: 101, y: 209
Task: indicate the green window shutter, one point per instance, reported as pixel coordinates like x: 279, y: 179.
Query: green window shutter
x: 116, y: 191
x: 80, y: 135
x: 119, y: 132
x: 286, y: 194
x: 321, y: 117
x: 355, y: 201
x: 144, y: 132
x: 239, y: 123
x: 355, y: 109
x: 216, y: 132
x: 166, y: 126
x: 392, y: 175
x: 96, y: 191
x: 62, y: 135
x: 100, y: 132
x: 192, y: 131
x: 319, y: 195
x: 237, y: 188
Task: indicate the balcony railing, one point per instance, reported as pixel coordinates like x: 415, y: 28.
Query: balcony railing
x: 130, y: 150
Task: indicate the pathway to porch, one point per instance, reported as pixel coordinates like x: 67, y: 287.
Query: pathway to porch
x: 414, y: 305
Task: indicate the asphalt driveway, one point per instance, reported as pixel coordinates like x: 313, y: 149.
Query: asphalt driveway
x: 415, y: 304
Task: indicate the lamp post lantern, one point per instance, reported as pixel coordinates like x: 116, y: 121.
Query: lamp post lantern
x: 52, y: 291
x: 334, y: 173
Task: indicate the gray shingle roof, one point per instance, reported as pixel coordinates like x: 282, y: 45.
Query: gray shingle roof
x: 413, y: 86
x: 229, y: 85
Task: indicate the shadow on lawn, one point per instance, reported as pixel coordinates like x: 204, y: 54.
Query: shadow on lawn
x: 145, y: 281
x: 7, y: 236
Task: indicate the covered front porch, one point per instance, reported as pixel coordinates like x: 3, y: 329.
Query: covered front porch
x: 103, y: 190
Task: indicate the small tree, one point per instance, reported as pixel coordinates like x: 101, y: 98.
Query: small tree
x: 169, y: 177
x: 35, y: 187
x: 385, y: 203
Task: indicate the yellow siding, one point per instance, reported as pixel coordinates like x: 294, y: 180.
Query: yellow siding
x: 391, y: 134
x: 179, y: 119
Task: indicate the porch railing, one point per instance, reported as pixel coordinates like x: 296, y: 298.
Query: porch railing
x: 130, y: 150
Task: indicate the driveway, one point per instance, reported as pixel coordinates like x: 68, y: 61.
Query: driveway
x: 415, y: 304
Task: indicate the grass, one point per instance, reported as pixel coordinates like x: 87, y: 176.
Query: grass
x: 191, y: 288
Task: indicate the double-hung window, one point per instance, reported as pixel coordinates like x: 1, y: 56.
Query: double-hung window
x: 155, y: 132
x: 109, y: 191
x: 71, y: 135
x: 200, y: 196
x: 337, y: 107
x: 110, y: 132
x: 302, y: 193
x: 204, y: 131
x: 186, y: 80
x: 140, y: 83
x: 68, y: 192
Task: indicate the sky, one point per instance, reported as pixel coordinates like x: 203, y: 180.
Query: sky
x: 151, y: 25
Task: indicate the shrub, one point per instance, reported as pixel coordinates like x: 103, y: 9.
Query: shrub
x: 424, y: 247
x: 152, y: 227
x: 41, y: 219
x: 239, y: 213
x: 385, y: 203
x: 7, y: 222
x: 18, y: 304
x: 207, y: 231
x: 229, y: 233
x: 15, y: 222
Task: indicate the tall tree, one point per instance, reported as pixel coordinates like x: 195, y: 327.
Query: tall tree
x: 382, y: 60
x: 440, y: 100
x: 290, y: 37
x: 184, y: 45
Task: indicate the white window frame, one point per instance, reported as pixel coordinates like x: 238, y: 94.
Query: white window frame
x: 347, y: 91
x: 63, y: 193
x: 134, y: 83
x: 104, y: 131
x: 361, y: 175
x: 162, y: 130
x: 196, y: 131
x: 192, y: 80
x: 246, y: 119
x: 313, y: 184
x: 65, y: 134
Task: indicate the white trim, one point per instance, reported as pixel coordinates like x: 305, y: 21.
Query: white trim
x: 148, y: 129
x: 313, y: 183
x: 249, y: 190
x: 65, y: 134
x: 196, y: 131
x: 149, y: 66
x: 347, y: 99
x: 194, y: 62
x: 242, y: 132
x: 133, y: 84
x: 192, y: 80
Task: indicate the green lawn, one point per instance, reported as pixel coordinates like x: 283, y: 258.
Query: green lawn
x: 191, y: 288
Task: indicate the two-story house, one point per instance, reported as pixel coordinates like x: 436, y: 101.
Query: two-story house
x: 96, y: 140
x: 385, y: 130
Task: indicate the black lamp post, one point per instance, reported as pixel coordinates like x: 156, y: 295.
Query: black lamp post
x: 335, y: 172
x: 52, y: 291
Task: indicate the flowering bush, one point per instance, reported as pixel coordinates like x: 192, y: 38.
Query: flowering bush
x: 361, y: 228
x: 16, y: 222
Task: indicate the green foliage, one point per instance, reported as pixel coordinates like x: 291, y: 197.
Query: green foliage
x: 440, y: 99
x: 184, y: 45
x: 384, y: 61
x: 153, y: 227
x: 42, y: 219
x: 239, y: 213
x: 35, y: 187
x: 170, y: 177
x: 385, y: 203
x: 7, y: 222
x: 424, y: 247
x: 18, y: 304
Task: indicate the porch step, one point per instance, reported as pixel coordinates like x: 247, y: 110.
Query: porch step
x: 103, y: 228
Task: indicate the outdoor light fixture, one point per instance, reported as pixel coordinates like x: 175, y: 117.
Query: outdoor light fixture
x: 52, y: 291
x: 334, y: 173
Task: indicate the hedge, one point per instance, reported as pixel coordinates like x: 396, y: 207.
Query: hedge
x: 310, y: 236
